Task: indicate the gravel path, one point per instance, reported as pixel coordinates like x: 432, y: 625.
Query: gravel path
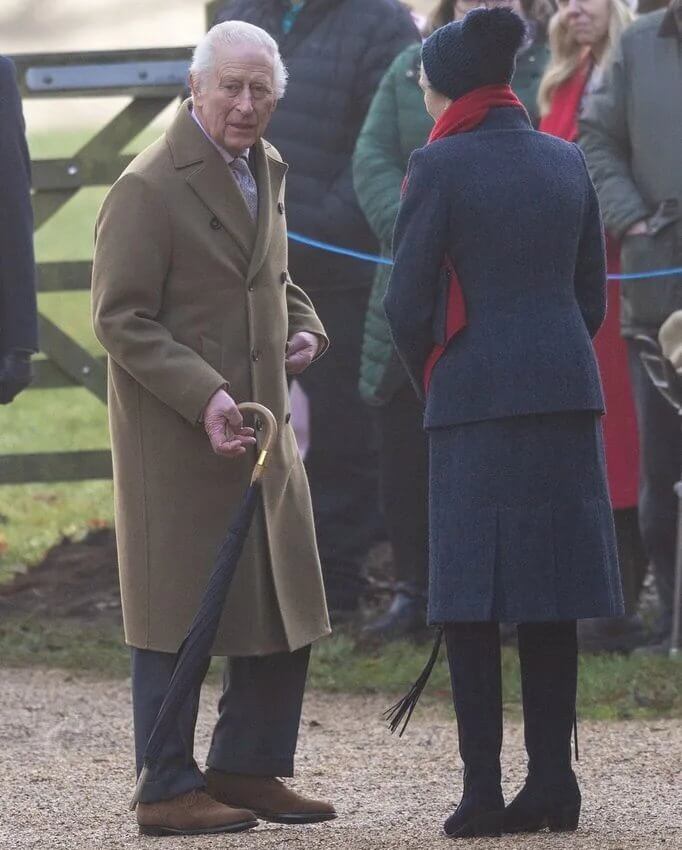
x: 66, y: 775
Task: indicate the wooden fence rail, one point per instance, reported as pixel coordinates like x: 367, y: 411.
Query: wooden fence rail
x: 152, y: 79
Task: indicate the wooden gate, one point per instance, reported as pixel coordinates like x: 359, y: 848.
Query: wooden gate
x: 152, y: 79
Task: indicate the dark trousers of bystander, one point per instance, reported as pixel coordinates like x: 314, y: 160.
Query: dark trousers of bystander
x: 660, y: 444
x: 342, y: 458
x: 258, y: 719
x: 404, y: 483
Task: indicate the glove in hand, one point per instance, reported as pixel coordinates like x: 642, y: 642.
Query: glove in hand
x: 16, y: 373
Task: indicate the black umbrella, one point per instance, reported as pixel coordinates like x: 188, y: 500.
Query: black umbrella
x: 194, y: 654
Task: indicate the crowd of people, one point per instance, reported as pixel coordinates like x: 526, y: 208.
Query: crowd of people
x: 485, y: 362
x: 368, y: 118
x: 593, y: 72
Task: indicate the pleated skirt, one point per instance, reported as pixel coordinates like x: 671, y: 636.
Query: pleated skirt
x: 521, y: 526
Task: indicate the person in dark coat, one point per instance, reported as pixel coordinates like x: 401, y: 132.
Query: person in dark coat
x: 497, y: 291
x: 18, y: 319
x: 336, y: 52
x: 631, y: 131
x: 582, y: 39
x: 396, y: 124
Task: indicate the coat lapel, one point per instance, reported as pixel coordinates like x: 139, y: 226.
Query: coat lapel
x: 269, y: 175
x: 210, y: 179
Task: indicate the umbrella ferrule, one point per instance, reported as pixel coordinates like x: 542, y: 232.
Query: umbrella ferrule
x: 144, y: 775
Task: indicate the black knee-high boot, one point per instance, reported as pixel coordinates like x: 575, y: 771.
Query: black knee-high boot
x: 474, y: 659
x: 549, y: 671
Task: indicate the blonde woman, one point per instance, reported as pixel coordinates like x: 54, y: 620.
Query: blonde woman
x: 581, y: 35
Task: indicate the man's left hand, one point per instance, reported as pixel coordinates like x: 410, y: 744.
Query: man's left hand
x: 302, y: 349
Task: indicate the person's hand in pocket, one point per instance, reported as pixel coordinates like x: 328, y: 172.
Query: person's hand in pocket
x: 640, y: 228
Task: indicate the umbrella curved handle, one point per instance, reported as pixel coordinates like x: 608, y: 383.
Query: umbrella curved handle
x: 270, y: 432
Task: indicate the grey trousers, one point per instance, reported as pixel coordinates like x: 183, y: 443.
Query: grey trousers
x: 258, y: 718
x: 660, y: 451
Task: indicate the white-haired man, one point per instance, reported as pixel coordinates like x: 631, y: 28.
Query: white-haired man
x: 194, y: 304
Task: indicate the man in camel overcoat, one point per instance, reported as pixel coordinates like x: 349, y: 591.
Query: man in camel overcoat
x: 194, y: 304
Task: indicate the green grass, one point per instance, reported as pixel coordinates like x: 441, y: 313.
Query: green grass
x: 611, y: 687
x: 33, y: 517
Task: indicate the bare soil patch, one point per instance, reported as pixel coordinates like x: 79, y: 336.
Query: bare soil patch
x: 75, y: 581
x: 78, y: 581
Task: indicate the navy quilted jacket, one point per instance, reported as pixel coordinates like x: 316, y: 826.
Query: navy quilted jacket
x: 517, y: 213
x: 336, y: 54
x: 18, y: 327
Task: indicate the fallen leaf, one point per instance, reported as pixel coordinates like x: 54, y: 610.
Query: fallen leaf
x: 97, y: 523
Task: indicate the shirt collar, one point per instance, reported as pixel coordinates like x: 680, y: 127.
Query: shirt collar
x: 226, y: 155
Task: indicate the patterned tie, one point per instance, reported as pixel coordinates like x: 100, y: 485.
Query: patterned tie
x: 247, y: 184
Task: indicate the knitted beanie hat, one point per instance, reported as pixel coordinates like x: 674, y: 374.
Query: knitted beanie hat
x: 478, y: 51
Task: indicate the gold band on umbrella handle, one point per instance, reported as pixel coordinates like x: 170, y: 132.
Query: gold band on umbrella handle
x: 270, y: 431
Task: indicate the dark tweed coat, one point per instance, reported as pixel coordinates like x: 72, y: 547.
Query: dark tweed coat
x: 521, y: 525
x: 18, y: 325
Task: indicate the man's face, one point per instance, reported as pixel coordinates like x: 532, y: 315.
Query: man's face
x: 235, y: 98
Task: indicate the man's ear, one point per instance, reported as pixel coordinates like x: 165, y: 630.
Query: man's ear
x: 194, y: 87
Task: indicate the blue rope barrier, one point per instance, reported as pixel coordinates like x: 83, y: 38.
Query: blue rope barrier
x: 384, y: 261
x: 335, y: 249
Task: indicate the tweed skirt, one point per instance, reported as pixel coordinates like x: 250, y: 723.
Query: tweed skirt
x: 521, y: 526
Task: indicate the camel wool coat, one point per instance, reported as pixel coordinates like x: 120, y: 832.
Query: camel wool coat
x: 190, y: 295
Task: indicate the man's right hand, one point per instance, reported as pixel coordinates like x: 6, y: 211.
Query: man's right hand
x: 225, y: 427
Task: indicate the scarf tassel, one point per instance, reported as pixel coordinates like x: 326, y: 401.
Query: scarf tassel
x: 402, y: 711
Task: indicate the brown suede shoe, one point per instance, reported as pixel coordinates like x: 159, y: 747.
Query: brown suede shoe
x: 195, y: 813
x: 268, y: 797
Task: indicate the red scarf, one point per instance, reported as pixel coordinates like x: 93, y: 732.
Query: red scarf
x: 463, y: 114
x: 562, y: 118
x: 469, y: 111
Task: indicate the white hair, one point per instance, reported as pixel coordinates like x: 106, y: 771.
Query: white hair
x: 231, y: 33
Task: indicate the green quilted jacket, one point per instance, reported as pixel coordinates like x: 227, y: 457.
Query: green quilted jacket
x: 396, y: 124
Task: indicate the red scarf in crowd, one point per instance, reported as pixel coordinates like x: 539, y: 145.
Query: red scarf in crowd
x: 562, y: 118
x: 619, y: 424
x: 462, y: 115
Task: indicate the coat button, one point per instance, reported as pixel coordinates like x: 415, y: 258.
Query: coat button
x: 255, y: 354
x: 280, y: 208
x: 251, y: 287
x: 284, y: 277
x: 258, y: 424
x: 215, y: 224
x: 287, y: 419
